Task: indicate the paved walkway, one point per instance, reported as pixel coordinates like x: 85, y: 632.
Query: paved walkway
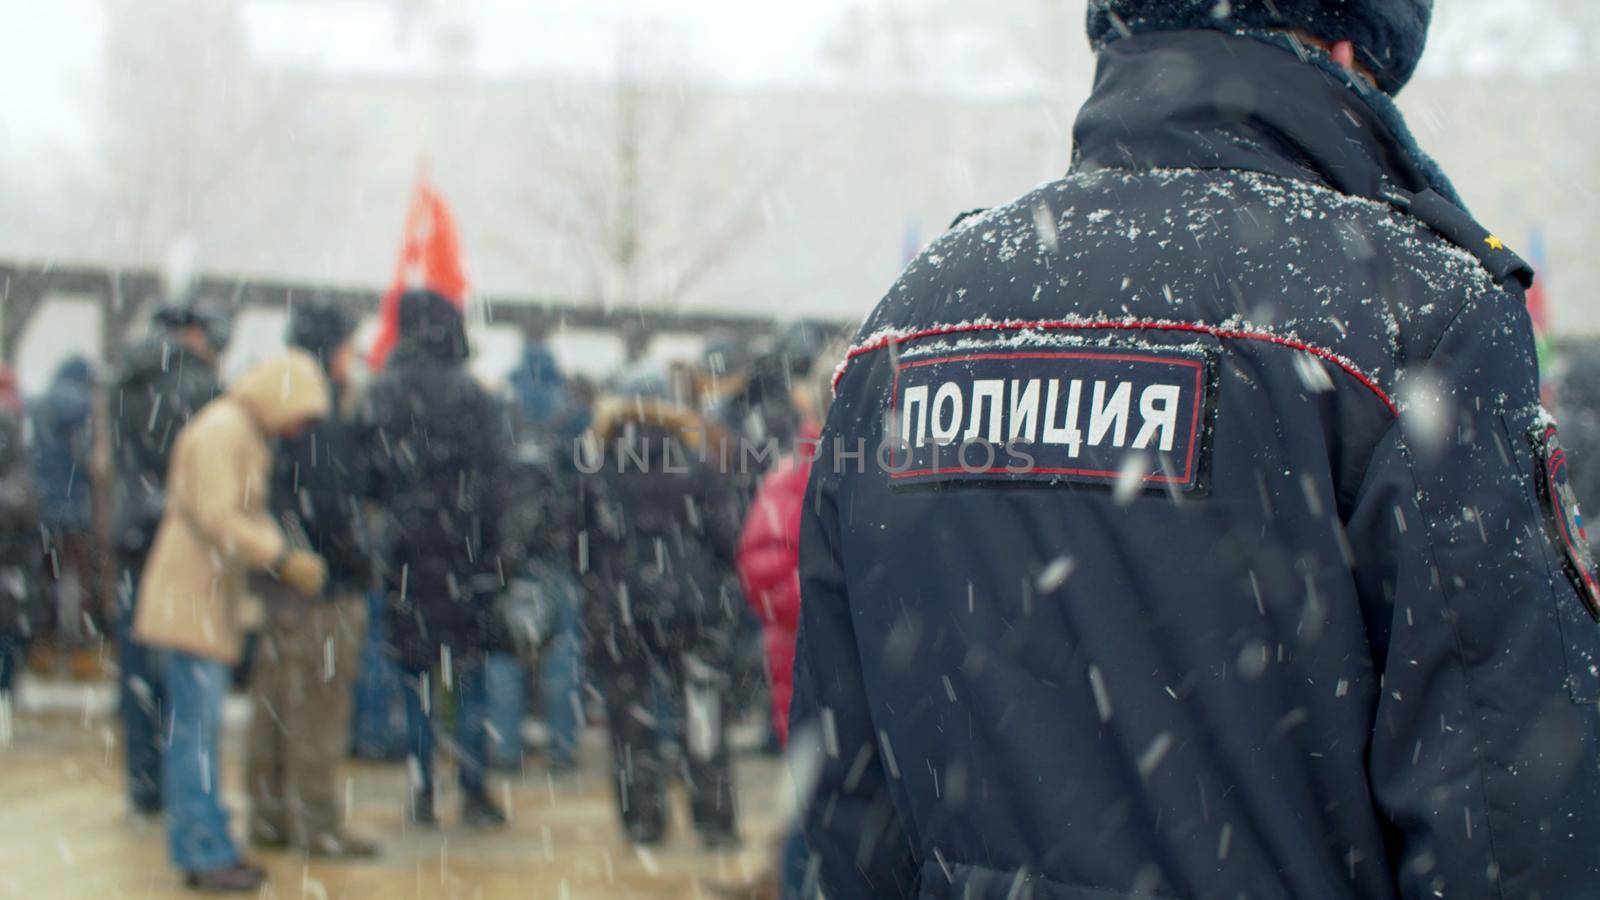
x: 64, y: 832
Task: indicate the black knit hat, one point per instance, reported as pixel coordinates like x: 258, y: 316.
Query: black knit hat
x: 319, y: 326
x: 212, y: 316
x: 1388, y: 34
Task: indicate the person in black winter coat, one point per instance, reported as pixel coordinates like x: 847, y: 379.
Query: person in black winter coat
x: 661, y: 522
x: 160, y: 383
x: 438, y: 445
x: 1209, y: 539
x: 21, y: 615
x: 63, y: 442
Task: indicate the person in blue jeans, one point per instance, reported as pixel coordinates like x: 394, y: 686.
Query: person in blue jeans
x: 560, y: 665
x: 159, y: 384
x: 142, y: 698
x: 550, y: 412
x: 798, y: 880
x: 561, y: 674
x: 465, y: 684
x: 506, y: 702
x: 378, y: 729
x: 197, y: 825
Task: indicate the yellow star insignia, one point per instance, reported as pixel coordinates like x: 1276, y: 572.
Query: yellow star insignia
x: 1494, y: 243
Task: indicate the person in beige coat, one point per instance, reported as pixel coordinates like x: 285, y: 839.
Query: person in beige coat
x: 194, y: 601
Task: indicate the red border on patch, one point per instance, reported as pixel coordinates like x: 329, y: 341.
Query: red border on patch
x: 1555, y: 465
x: 1215, y: 331
x: 1191, y: 456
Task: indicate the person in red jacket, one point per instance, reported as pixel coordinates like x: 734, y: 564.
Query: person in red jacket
x: 769, y: 544
x: 769, y: 570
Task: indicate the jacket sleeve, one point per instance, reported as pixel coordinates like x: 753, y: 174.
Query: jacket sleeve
x: 1485, y: 757
x: 493, y: 473
x: 719, y: 509
x: 375, y: 444
x: 850, y: 820
x: 768, y: 556
x: 212, y: 491
x: 186, y: 393
x: 319, y: 482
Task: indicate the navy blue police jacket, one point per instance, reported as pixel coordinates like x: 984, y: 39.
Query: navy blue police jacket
x: 1190, y: 527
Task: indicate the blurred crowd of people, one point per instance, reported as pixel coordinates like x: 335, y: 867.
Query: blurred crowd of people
x: 369, y: 541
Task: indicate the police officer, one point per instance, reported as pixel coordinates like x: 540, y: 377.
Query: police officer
x: 1191, y: 527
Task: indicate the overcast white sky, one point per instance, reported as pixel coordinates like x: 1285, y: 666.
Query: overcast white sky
x: 737, y: 39
x: 49, y: 54
x: 49, y: 51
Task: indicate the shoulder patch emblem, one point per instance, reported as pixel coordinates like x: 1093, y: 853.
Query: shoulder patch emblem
x: 1138, y: 417
x: 1565, y: 517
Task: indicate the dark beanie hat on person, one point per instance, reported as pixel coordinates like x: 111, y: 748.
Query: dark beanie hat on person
x: 1388, y: 34
x: 319, y: 327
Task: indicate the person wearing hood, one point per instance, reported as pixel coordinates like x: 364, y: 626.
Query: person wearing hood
x: 308, y: 655
x: 160, y: 383
x: 195, y: 600
x: 62, y: 446
x: 1191, y: 526
x: 769, y: 540
x: 660, y: 524
x: 439, y: 447
x: 21, y: 615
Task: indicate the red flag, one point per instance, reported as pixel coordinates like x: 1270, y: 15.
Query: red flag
x: 430, y: 257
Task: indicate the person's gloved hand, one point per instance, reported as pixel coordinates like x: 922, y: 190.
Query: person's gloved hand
x: 304, y: 571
